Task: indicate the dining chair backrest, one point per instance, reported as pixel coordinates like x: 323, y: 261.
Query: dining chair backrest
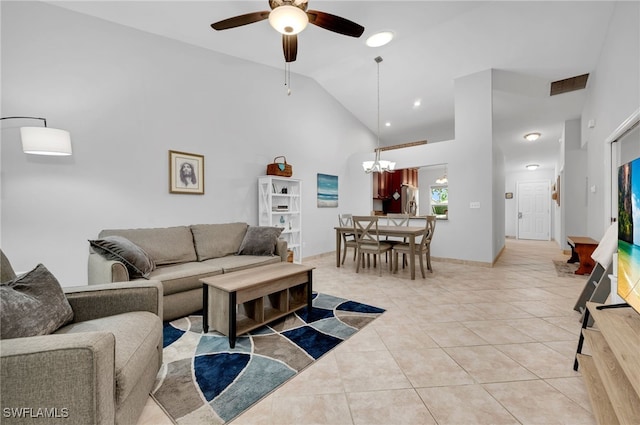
x: 366, y: 229
x: 429, y: 229
x: 397, y: 219
x: 345, y: 220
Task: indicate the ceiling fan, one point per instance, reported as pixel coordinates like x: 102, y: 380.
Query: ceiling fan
x: 289, y: 17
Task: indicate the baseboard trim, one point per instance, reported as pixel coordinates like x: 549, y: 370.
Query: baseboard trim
x: 440, y: 259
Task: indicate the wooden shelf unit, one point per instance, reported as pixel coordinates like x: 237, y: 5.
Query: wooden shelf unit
x: 612, y: 372
x: 282, y: 210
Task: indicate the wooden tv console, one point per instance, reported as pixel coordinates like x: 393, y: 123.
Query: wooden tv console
x: 612, y: 372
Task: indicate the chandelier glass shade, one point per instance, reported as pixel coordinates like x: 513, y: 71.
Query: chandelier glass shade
x: 379, y: 165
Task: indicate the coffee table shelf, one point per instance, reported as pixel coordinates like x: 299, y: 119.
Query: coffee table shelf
x: 243, y: 301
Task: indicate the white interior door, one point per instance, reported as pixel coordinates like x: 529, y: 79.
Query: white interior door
x: 534, y: 213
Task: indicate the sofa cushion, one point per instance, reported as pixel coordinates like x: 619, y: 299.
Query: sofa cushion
x: 260, y: 240
x: 6, y: 271
x: 167, y: 245
x: 32, y: 304
x: 234, y: 263
x: 137, y: 261
x: 138, y: 335
x: 183, y: 277
x: 217, y: 240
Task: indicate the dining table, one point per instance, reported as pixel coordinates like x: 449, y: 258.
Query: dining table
x: 408, y: 232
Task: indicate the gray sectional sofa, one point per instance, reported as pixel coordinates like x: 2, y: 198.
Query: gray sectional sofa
x: 184, y: 254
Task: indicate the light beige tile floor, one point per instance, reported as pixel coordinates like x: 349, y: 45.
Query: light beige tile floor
x: 467, y: 345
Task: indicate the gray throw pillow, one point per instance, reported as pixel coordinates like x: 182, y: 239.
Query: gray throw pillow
x: 33, y: 304
x: 260, y: 241
x: 6, y: 271
x: 137, y: 261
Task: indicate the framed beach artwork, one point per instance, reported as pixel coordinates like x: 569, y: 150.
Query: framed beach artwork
x: 186, y: 173
x: 327, y: 191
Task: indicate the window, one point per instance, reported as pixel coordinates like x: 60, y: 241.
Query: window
x: 439, y: 201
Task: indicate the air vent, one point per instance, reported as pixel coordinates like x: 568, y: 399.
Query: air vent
x: 569, y: 84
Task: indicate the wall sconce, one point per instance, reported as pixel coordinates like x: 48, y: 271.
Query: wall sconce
x: 43, y: 140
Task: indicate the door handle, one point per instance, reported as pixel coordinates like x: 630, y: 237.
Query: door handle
x: 519, y: 215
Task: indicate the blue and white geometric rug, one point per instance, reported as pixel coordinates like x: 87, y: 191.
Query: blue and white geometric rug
x: 202, y: 380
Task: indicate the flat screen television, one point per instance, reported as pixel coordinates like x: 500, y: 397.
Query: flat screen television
x: 629, y: 233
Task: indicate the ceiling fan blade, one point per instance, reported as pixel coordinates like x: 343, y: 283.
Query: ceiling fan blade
x: 335, y: 23
x: 290, y: 47
x: 238, y: 21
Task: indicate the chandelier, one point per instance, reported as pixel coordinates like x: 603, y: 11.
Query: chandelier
x: 379, y: 165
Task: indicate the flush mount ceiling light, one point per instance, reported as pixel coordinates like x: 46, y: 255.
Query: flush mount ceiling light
x: 417, y: 103
x: 532, y: 167
x: 288, y: 20
x: 532, y: 137
x: 43, y: 140
x: 378, y: 165
x: 379, y: 39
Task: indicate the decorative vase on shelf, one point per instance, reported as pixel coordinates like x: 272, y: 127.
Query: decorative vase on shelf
x: 282, y: 220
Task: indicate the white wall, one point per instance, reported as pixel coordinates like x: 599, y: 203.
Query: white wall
x: 613, y: 95
x: 574, y: 185
x: 129, y: 97
x: 468, y: 234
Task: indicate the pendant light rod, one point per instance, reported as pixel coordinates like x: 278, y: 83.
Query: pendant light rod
x: 378, y: 60
x: 378, y: 165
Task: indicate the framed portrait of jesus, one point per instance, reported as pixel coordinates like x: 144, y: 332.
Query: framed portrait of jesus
x: 186, y: 173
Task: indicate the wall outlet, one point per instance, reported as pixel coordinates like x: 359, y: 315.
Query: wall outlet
x: 474, y: 205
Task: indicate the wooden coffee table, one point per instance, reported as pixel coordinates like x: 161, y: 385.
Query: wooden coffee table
x: 265, y: 294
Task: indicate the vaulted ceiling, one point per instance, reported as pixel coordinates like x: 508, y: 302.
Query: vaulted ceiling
x: 529, y: 44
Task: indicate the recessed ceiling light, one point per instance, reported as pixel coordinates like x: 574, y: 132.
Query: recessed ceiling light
x: 388, y: 124
x: 379, y: 39
x: 417, y: 103
x: 532, y: 137
x: 532, y: 167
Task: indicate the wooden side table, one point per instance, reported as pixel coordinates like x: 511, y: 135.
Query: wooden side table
x: 581, y: 250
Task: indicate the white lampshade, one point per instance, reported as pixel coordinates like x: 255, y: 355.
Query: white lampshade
x: 288, y: 20
x: 45, y: 141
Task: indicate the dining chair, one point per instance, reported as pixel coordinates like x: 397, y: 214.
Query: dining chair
x: 368, y: 240
x: 394, y: 219
x: 348, y: 239
x: 423, y: 248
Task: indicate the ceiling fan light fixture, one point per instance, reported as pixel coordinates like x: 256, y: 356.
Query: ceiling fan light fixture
x: 532, y: 137
x: 379, y: 39
x: 532, y: 167
x: 288, y: 20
